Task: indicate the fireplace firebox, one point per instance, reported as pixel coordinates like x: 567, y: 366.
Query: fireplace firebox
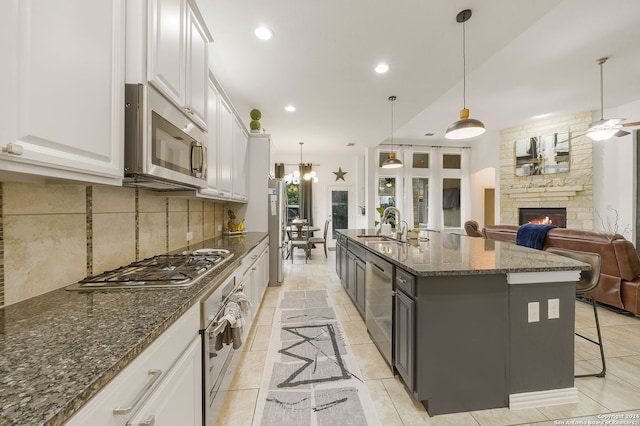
x: 543, y: 215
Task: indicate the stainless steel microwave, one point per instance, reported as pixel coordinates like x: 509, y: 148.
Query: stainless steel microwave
x: 164, y: 149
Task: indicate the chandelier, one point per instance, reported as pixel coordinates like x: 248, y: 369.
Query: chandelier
x: 305, y: 171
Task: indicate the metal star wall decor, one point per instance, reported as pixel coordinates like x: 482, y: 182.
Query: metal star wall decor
x: 340, y: 174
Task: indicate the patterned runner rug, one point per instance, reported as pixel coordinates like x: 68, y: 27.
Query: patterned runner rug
x: 311, y: 377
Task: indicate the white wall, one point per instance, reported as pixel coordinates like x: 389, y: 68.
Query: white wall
x: 614, y: 174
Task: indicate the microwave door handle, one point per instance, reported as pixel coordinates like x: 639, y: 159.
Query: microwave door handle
x: 197, y: 147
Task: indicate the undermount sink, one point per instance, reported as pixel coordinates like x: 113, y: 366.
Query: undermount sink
x: 378, y: 239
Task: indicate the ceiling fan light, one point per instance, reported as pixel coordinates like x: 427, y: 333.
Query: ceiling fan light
x: 601, y: 134
x: 392, y: 162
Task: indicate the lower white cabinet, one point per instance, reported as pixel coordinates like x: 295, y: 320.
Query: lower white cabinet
x: 165, y: 378
x: 178, y: 398
x: 254, y: 275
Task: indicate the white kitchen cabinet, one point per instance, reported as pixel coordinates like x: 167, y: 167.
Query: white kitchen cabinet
x: 65, y: 106
x: 225, y: 149
x: 169, y: 367
x: 240, y: 169
x: 213, y: 100
x: 253, y: 273
x: 178, y: 398
x: 177, y: 63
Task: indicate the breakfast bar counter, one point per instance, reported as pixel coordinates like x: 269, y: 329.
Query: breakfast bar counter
x: 468, y: 323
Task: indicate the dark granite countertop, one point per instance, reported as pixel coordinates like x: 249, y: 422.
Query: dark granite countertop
x: 454, y: 254
x: 59, y: 349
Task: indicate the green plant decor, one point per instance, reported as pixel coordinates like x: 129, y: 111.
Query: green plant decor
x: 391, y: 219
x: 255, y: 115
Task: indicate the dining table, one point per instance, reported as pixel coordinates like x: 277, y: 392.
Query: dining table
x: 295, y: 230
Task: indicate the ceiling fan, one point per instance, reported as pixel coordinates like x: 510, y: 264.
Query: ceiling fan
x: 606, y: 128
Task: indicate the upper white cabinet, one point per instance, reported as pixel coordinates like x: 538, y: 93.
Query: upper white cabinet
x: 64, y: 75
x: 177, y: 61
x: 225, y: 149
x: 240, y: 169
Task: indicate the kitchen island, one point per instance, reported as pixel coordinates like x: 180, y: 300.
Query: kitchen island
x: 469, y: 323
x: 58, y: 350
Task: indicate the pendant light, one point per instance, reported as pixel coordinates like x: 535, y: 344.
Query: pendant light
x: 306, y: 170
x: 392, y: 162
x: 465, y: 127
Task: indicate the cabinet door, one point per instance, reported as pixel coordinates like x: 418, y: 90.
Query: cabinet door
x: 213, y: 102
x: 166, y: 56
x: 351, y: 275
x: 240, y: 172
x: 225, y: 148
x: 197, y: 69
x: 67, y: 102
x: 404, y: 337
x: 178, y: 398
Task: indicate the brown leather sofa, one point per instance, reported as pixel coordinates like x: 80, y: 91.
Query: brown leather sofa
x: 620, y: 271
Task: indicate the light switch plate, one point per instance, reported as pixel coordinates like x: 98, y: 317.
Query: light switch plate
x: 553, y: 308
x: 533, y: 312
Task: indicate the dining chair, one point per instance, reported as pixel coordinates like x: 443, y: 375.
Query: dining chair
x: 301, y: 240
x: 321, y: 240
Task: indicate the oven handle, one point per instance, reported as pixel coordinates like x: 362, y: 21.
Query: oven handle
x: 155, y: 375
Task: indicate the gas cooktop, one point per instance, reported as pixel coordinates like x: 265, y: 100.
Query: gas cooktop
x: 162, y: 271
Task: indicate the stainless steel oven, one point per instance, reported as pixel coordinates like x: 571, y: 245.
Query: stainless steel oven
x: 220, y: 339
x: 164, y: 149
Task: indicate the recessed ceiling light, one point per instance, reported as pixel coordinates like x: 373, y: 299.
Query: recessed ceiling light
x: 263, y: 33
x: 382, y: 68
x: 290, y: 108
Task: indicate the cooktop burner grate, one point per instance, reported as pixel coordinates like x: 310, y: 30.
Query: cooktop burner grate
x: 158, y: 271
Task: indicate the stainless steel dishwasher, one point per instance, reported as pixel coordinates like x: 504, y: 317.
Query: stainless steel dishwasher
x: 379, y: 304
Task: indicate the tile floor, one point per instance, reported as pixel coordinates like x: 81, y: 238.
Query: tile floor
x: 618, y: 393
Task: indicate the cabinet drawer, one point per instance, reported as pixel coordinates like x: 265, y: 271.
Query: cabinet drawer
x: 358, y: 251
x: 406, y: 282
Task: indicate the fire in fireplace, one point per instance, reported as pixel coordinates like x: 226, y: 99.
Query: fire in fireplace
x: 543, y: 215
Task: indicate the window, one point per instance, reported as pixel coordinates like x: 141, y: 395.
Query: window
x: 293, y: 201
x: 387, y: 193
x: 420, y: 190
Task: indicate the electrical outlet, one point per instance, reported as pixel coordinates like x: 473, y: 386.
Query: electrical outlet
x: 533, y: 312
x: 553, y: 308
x: 189, y: 236
x: 219, y: 228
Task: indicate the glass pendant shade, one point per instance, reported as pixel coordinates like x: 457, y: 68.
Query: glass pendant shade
x: 392, y: 162
x: 465, y: 128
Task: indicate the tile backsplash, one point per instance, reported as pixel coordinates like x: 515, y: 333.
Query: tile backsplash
x: 53, y: 235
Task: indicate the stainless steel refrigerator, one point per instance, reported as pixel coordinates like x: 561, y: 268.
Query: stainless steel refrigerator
x: 277, y: 212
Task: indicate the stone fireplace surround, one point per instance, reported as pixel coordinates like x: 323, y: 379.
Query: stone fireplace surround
x: 572, y: 190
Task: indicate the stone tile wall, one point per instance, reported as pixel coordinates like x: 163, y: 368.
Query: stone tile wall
x: 573, y: 190
x: 53, y: 235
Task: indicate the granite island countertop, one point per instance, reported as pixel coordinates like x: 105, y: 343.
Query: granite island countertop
x: 454, y: 254
x: 59, y: 349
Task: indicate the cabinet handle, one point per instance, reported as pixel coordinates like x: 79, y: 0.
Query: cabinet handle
x: 254, y: 268
x: 155, y: 375
x: 13, y: 148
x: 402, y: 280
x: 188, y: 109
x: 150, y: 421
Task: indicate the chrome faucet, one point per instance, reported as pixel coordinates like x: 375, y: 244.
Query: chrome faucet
x: 401, y: 231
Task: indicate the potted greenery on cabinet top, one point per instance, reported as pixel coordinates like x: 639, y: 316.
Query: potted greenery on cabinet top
x: 254, y: 125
